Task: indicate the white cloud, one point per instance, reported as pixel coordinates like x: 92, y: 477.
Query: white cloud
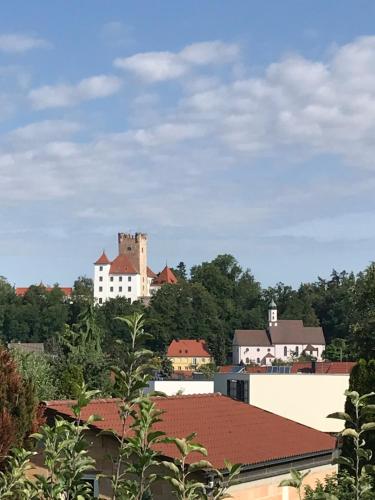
x: 160, y: 66
x: 116, y: 33
x: 54, y: 96
x: 18, y: 43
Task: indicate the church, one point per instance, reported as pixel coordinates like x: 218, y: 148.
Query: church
x: 128, y: 275
x: 281, y: 340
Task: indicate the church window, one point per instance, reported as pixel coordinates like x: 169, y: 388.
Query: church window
x: 297, y: 350
x: 247, y: 361
x: 258, y: 349
x: 120, y: 288
x: 100, y: 278
x: 100, y: 289
x: 129, y: 288
x: 129, y: 278
x: 258, y: 360
x: 101, y: 268
x: 285, y: 351
x: 269, y: 350
x: 111, y: 289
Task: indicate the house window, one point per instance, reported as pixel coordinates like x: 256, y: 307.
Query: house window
x: 94, y: 483
x: 285, y: 351
x: 100, y: 301
x: 120, y: 278
x: 100, y: 289
x: 129, y: 278
x: 120, y: 288
x: 129, y: 288
x: 100, y: 278
x: 194, y: 361
x: 238, y: 389
x: 100, y: 268
x: 111, y: 289
x: 111, y: 278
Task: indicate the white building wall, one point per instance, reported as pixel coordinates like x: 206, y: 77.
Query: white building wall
x: 172, y: 387
x: 279, y: 350
x: 304, y: 398
x: 101, y: 287
x: 252, y: 353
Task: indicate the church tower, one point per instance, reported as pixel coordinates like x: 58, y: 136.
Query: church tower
x: 135, y: 247
x: 272, y: 314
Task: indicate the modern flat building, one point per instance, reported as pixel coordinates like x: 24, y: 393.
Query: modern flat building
x: 304, y: 396
x: 128, y: 275
x: 281, y: 340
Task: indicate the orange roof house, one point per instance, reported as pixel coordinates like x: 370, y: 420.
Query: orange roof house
x: 188, y: 354
x: 67, y: 291
x: 266, y: 444
x: 166, y: 276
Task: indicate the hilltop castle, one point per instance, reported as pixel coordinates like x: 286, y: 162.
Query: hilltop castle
x: 128, y: 275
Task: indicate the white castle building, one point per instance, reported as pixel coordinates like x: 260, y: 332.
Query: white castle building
x: 128, y: 275
x: 280, y: 340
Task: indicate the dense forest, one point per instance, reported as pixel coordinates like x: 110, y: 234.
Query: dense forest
x: 209, y: 302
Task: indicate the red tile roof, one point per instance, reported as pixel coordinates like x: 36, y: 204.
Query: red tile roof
x: 67, y: 291
x: 103, y: 260
x: 150, y: 273
x: 122, y: 265
x: 166, y: 276
x: 228, y: 429
x: 331, y: 367
x: 188, y: 348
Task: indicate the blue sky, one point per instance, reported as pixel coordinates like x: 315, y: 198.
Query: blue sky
x: 244, y: 127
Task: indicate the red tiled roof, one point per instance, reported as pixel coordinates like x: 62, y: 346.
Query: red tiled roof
x: 103, y: 260
x: 229, y: 429
x: 331, y: 367
x: 166, y: 276
x: 150, y: 273
x: 122, y: 265
x: 188, y: 348
x: 67, y: 291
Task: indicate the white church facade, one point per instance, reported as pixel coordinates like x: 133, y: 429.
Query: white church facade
x: 281, y: 340
x: 128, y: 275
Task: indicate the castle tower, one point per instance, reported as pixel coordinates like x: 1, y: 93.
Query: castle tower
x: 135, y: 247
x: 272, y: 314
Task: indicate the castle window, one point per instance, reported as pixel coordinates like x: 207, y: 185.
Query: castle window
x: 100, y: 289
x: 101, y: 268
x: 129, y: 278
x: 111, y: 289
x: 120, y: 278
x: 142, y: 249
x: 100, y: 278
x: 285, y: 351
x: 120, y: 288
x: 111, y: 278
x: 129, y: 288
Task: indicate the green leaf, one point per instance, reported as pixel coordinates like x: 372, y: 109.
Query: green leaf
x: 201, y: 464
x: 351, y: 433
x: 368, y: 427
x: 341, y: 416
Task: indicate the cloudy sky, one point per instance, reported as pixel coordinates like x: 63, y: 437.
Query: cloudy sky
x: 245, y: 127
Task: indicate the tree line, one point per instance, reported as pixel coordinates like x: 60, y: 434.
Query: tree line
x: 209, y: 302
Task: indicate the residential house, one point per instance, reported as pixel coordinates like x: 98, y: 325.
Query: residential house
x: 267, y: 445
x: 282, y: 339
x: 188, y: 354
